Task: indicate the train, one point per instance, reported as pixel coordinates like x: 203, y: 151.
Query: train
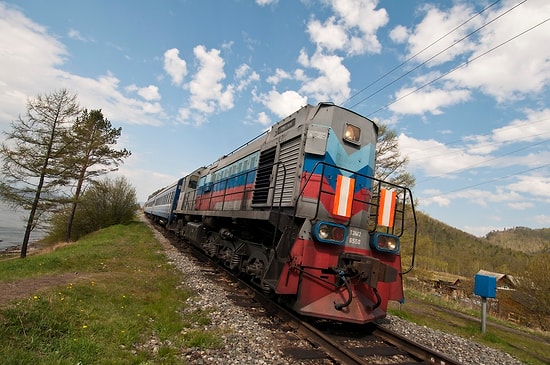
x: 299, y: 212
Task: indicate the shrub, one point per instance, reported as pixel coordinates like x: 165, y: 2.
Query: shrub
x: 105, y: 203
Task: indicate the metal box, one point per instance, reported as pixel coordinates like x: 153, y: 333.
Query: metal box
x: 485, y: 286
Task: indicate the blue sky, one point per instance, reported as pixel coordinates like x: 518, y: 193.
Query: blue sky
x: 463, y: 83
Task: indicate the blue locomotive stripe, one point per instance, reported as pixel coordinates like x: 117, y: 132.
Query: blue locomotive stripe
x: 359, y: 162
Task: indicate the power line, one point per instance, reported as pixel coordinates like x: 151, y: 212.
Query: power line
x: 483, y: 161
x: 438, y: 54
x: 459, y: 66
x: 465, y: 139
x: 491, y: 181
x: 414, y: 56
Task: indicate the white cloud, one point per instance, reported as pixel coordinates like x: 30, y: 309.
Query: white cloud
x: 536, y: 126
x: 521, y: 205
x: 30, y: 63
x: 282, y: 104
x: 263, y: 119
x: 332, y: 83
x: 266, y: 2
x: 148, y: 93
x: 534, y: 185
x: 399, y: 34
x: 543, y: 220
x: 207, y: 92
x: 428, y: 100
x: 278, y: 77
x: 361, y: 20
x: 353, y: 28
x: 434, y: 196
x: 75, y: 34
x: 244, y: 75
x: 435, y: 158
x: 104, y: 93
x: 523, y: 65
x: 174, y: 66
x: 328, y: 35
x: 504, y: 70
x: 429, y: 37
x: 29, y: 58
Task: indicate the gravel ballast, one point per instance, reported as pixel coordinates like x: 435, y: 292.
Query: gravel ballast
x: 253, y: 339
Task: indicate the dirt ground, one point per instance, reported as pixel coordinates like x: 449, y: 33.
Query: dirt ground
x: 25, y: 288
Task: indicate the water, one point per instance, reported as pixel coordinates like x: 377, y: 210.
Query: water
x: 12, y: 227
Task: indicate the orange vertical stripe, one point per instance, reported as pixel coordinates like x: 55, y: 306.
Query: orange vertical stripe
x: 343, y: 197
x: 386, y: 209
x: 336, y: 204
x: 349, y: 201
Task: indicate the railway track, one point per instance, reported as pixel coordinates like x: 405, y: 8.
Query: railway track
x: 331, y: 343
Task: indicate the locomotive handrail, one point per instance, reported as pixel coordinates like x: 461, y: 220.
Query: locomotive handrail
x: 223, y: 185
x: 405, y: 195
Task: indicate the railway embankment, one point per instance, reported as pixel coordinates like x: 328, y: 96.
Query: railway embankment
x: 124, y: 294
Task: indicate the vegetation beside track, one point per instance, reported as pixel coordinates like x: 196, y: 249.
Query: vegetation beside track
x: 115, y: 299
x: 528, y: 346
x: 124, y: 305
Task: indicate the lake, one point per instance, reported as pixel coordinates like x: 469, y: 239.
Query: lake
x: 12, y: 227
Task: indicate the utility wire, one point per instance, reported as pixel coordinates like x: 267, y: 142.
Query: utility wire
x: 483, y: 145
x: 491, y: 181
x: 437, y: 54
x: 465, y: 139
x: 482, y: 162
x: 416, y: 54
x: 457, y: 67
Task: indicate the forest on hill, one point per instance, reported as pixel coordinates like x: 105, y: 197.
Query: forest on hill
x: 443, y: 248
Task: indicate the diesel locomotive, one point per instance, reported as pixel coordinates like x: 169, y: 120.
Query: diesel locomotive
x: 298, y: 210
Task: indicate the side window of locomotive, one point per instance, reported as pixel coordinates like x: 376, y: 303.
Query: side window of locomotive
x: 352, y: 134
x: 193, y: 182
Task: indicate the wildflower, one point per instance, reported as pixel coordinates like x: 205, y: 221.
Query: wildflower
x: 35, y: 297
x: 84, y: 326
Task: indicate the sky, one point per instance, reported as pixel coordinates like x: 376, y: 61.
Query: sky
x: 464, y: 85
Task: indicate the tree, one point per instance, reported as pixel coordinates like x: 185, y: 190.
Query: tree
x: 390, y: 165
x: 535, y: 286
x: 32, y: 157
x: 104, y: 203
x: 91, y: 137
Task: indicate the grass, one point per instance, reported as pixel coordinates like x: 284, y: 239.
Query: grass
x: 528, y: 346
x: 122, y: 301
x: 123, y: 307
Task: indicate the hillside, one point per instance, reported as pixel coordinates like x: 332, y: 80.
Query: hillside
x: 521, y: 239
x: 443, y: 248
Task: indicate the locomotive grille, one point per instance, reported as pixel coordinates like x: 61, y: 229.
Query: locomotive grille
x: 286, y: 176
x: 263, y: 177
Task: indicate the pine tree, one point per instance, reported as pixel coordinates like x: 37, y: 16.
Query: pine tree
x: 33, y: 154
x: 92, y: 137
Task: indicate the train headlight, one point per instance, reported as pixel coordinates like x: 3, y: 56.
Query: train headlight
x: 384, y: 242
x: 352, y: 134
x: 328, y: 232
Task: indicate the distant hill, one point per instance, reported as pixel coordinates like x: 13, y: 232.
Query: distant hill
x: 443, y: 248
x: 521, y: 239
